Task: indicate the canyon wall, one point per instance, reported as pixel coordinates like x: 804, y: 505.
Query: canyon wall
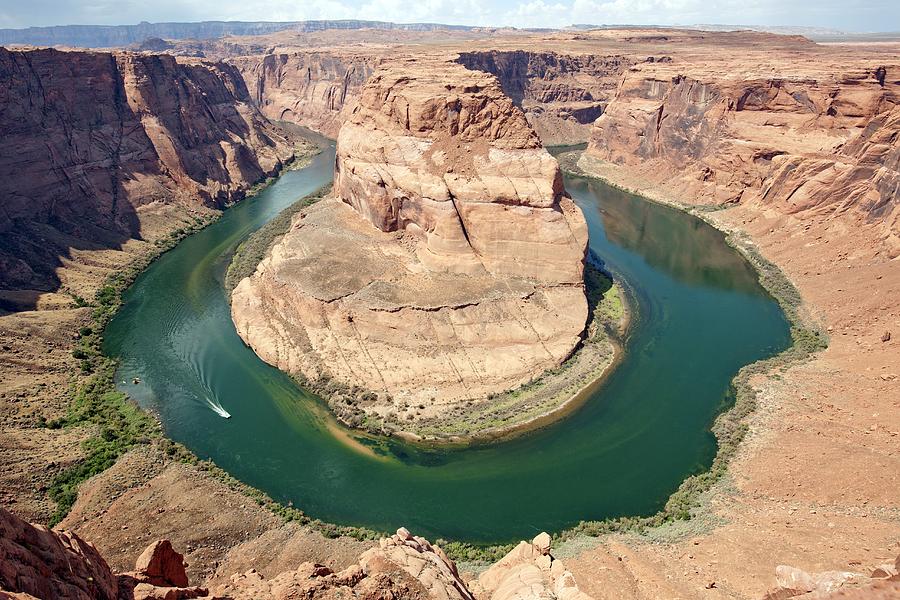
x: 448, y: 267
x: 93, y: 140
x: 561, y: 94
x: 822, y: 143
x: 314, y: 89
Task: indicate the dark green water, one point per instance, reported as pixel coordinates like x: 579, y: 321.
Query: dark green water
x: 700, y: 316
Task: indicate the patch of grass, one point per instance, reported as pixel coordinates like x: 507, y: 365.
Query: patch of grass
x: 120, y: 423
x: 464, y: 552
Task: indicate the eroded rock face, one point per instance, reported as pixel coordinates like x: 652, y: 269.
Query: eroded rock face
x: 93, y: 140
x: 449, y: 265
x: 45, y: 564
x: 39, y: 563
x: 561, y: 94
x: 818, y: 144
x: 440, y: 151
x: 36, y: 562
x: 528, y: 572
x: 315, y: 89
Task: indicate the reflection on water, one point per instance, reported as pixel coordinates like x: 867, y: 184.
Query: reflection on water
x: 682, y: 245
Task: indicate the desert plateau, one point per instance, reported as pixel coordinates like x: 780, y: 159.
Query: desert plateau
x: 484, y: 306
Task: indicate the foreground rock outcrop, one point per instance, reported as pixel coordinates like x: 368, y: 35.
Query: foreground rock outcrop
x: 36, y: 562
x: 39, y: 563
x: 402, y: 566
x: 529, y: 571
x: 449, y: 265
x: 97, y: 145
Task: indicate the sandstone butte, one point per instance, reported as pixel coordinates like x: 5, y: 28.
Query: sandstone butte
x: 814, y: 482
x: 449, y: 264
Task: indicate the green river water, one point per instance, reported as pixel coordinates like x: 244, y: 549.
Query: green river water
x: 699, y: 316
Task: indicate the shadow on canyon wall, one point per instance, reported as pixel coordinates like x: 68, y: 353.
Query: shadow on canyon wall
x: 90, y: 137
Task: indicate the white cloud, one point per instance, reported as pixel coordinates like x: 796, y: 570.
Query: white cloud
x: 662, y: 12
x: 874, y: 15
x: 537, y: 13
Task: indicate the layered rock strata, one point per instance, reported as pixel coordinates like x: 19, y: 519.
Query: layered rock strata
x: 561, y: 94
x: 448, y: 266
x: 813, y: 143
x: 95, y: 141
x: 315, y: 89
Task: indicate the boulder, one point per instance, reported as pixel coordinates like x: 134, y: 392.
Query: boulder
x: 161, y: 565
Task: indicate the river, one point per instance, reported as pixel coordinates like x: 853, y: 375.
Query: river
x: 700, y: 315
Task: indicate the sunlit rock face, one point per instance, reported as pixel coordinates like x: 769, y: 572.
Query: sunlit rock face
x: 816, y: 141
x: 442, y: 152
x: 449, y: 264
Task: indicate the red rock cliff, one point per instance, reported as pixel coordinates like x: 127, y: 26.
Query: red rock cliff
x: 448, y: 267
x: 814, y: 142
x: 308, y: 88
x: 93, y: 138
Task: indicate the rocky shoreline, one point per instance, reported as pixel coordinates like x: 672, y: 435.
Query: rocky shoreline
x: 552, y: 396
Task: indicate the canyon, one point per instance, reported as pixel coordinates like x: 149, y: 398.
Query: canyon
x: 819, y: 144
x: 788, y: 145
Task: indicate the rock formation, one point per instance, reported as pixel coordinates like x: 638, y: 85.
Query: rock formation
x: 94, y: 141
x: 315, y: 89
x: 528, y: 571
x: 39, y: 563
x: 561, y: 94
x: 403, y: 566
x: 36, y: 562
x: 814, y: 142
x: 882, y: 582
x: 448, y: 267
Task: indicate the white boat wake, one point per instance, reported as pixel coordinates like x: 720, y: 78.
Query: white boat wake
x: 193, y: 357
x: 218, y: 409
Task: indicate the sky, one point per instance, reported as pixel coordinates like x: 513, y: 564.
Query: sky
x: 844, y: 15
